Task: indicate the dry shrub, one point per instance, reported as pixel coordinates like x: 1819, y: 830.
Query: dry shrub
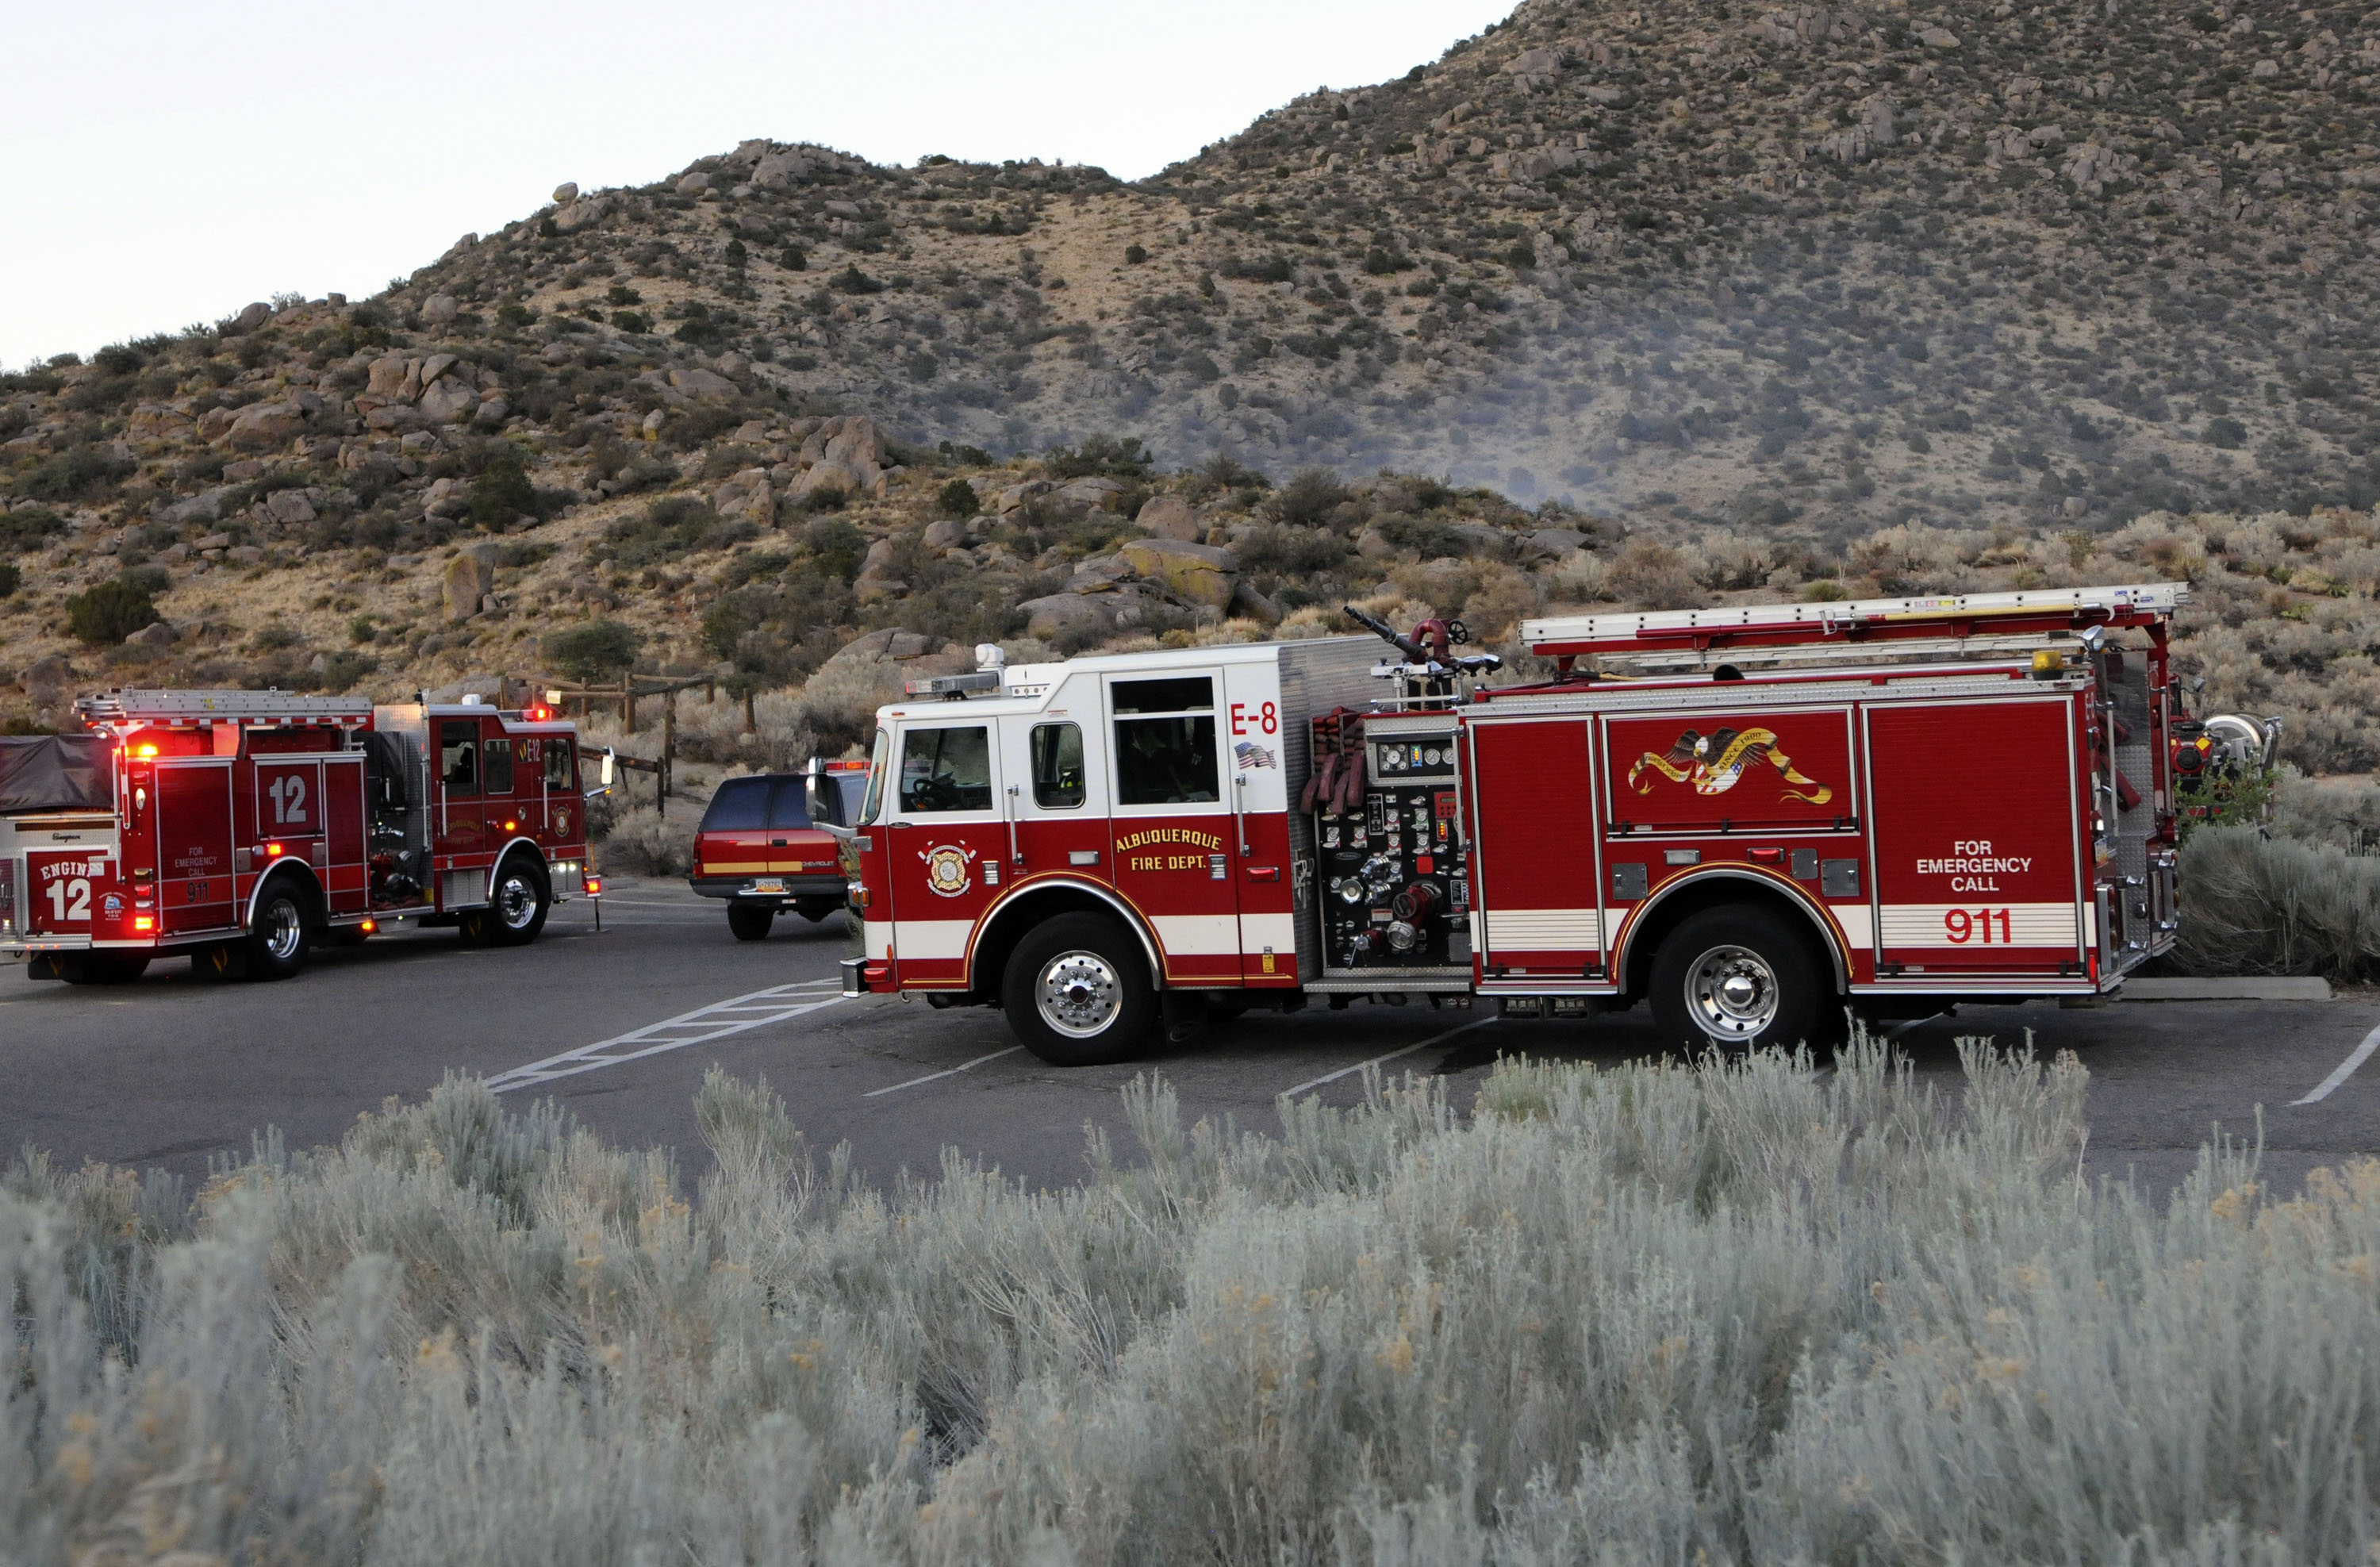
x: 2256, y: 905
x: 1581, y: 577
x: 1655, y: 576
x: 1914, y: 558
x: 1732, y: 561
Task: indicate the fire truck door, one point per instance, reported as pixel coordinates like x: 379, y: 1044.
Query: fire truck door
x: 501, y: 807
x: 947, y: 847
x: 1537, y: 886
x: 288, y: 805
x: 1175, y: 833
x: 1056, y: 773
x: 1977, y: 857
x: 195, y: 888
x: 458, y: 821
x: 345, y: 876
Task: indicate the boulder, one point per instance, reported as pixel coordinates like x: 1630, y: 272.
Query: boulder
x: 52, y: 671
x: 435, y: 365
x: 156, y: 422
x: 734, y: 364
x: 1016, y: 495
x: 448, y: 400
x: 701, y: 384
x: 390, y: 375
x: 469, y: 578
x: 775, y: 171
x: 834, y: 475
x: 1373, y: 544
x: 1060, y: 613
x: 747, y: 495
x: 492, y: 412
x: 579, y: 214
x: 892, y: 643
x: 1093, y: 493
x: 565, y: 193
x: 215, y: 422
x: 251, y: 317
x: 156, y: 634
x: 213, y: 541
x: 288, y: 506
x: 203, y: 508
x: 694, y: 184
x: 1552, y: 544
x: 1170, y: 516
x: 1248, y: 605
x: 947, y: 533
x: 440, y: 309
x: 265, y: 424
x: 245, y: 554
x: 858, y: 442
x: 1197, y: 574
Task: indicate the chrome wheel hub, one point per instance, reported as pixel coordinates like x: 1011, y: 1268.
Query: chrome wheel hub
x: 282, y: 930
x: 1078, y: 994
x: 1732, y: 993
x: 516, y: 903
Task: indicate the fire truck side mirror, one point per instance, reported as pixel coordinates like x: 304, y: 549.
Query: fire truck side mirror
x: 604, y: 775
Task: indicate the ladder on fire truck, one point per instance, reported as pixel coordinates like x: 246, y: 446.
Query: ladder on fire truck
x: 279, y: 708
x: 1966, y: 621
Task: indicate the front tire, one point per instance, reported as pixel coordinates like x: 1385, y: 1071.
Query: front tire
x: 750, y: 922
x: 518, y: 912
x: 1077, y: 992
x: 277, y: 936
x: 1740, y: 980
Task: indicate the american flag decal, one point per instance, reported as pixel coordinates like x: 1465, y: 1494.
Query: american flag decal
x: 1253, y: 755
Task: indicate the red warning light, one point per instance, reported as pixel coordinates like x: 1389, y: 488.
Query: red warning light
x: 369, y: 926
x: 143, y: 923
x: 145, y: 751
x: 271, y: 849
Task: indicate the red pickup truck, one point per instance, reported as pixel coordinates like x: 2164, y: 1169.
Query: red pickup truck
x: 764, y: 845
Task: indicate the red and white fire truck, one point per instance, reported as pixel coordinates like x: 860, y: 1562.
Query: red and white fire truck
x: 1747, y: 818
x: 240, y: 827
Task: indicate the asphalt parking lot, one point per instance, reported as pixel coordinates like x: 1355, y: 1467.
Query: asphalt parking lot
x: 620, y: 1026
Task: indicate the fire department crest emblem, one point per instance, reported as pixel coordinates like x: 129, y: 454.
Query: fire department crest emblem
x: 1715, y: 762
x: 949, y: 871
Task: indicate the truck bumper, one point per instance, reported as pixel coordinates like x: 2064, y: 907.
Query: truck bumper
x: 855, y: 976
x: 771, y: 888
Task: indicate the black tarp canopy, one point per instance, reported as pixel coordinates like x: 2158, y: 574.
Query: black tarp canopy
x: 55, y: 773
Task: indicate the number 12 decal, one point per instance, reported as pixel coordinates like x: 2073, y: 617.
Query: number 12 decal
x: 290, y: 806
x: 1963, y: 925
x: 70, y: 900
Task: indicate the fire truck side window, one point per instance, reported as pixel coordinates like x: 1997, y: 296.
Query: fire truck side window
x: 1165, y: 742
x: 557, y: 765
x: 498, y: 766
x: 459, y: 755
x: 1056, y: 766
x: 946, y: 769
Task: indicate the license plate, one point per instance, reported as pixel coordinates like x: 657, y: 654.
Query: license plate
x: 768, y: 884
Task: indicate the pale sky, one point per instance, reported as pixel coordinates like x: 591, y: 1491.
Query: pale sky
x: 169, y: 162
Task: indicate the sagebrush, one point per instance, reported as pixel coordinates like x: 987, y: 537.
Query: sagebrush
x: 1735, y: 1312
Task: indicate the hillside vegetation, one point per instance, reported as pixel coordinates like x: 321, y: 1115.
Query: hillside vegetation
x: 1609, y: 304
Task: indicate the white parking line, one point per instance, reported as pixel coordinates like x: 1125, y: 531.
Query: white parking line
x: 934, y: 1077
x: 737, y: 1014
x: 1434, y: 1038
x: 2346, y: 1069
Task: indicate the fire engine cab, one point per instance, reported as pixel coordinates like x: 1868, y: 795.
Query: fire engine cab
x: 242, y: 827
x: 1747, y: 818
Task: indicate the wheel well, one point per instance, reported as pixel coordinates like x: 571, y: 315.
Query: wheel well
x: 522, y: 848
x: 1715, y: 892
x: 315, y: 906
x: 1022, y: 913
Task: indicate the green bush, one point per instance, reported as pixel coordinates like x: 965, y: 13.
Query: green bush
x: 12, y: 578
x: 27, y: 527
x: 2256, y: 905
x: 110, y: 611
x: 851, y: 280
x: 1307, y: 499
x: 500, y: 490
x: 1135, y: 254
x: 956, y: 498
x: 1751, y: 1313
x: 1118, y: 456
x: 2229, y: 434
x: 74, y: 473
x: 632, y: 323
x: 839, y: 545
x: 592, y: 650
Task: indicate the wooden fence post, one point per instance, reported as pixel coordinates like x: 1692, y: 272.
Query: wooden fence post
x: 628, y: 704
x: 669, y: 739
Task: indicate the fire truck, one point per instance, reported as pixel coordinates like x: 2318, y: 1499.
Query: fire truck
x: 243, y: 827
x: 1751, y: 819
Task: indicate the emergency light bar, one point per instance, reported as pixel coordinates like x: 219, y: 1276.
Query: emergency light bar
x: 1956, y: 616
x: 954, y: 684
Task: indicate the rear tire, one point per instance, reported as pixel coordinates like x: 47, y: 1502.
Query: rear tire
x: 750, y: 922
x: 522, y: 900
x: 277, y: 936
x: 1741, y: 979
x: 1077, y: 992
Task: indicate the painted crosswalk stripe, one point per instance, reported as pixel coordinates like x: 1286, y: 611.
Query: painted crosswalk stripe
x: 938, y: 1076
x: 737, y: 1014
x: 2345, y: 1070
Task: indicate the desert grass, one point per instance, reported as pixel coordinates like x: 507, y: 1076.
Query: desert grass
x: 1763, y: 1311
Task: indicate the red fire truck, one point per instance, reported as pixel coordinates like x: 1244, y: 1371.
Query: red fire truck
x: 241, y: 827
x: 1746, y: 818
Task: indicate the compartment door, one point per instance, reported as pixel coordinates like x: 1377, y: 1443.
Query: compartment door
x: 1536, y: 886
x: 195, y: 888
x: 1977, y: 842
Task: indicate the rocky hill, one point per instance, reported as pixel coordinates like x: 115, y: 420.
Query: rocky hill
x: 1636, y: 303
